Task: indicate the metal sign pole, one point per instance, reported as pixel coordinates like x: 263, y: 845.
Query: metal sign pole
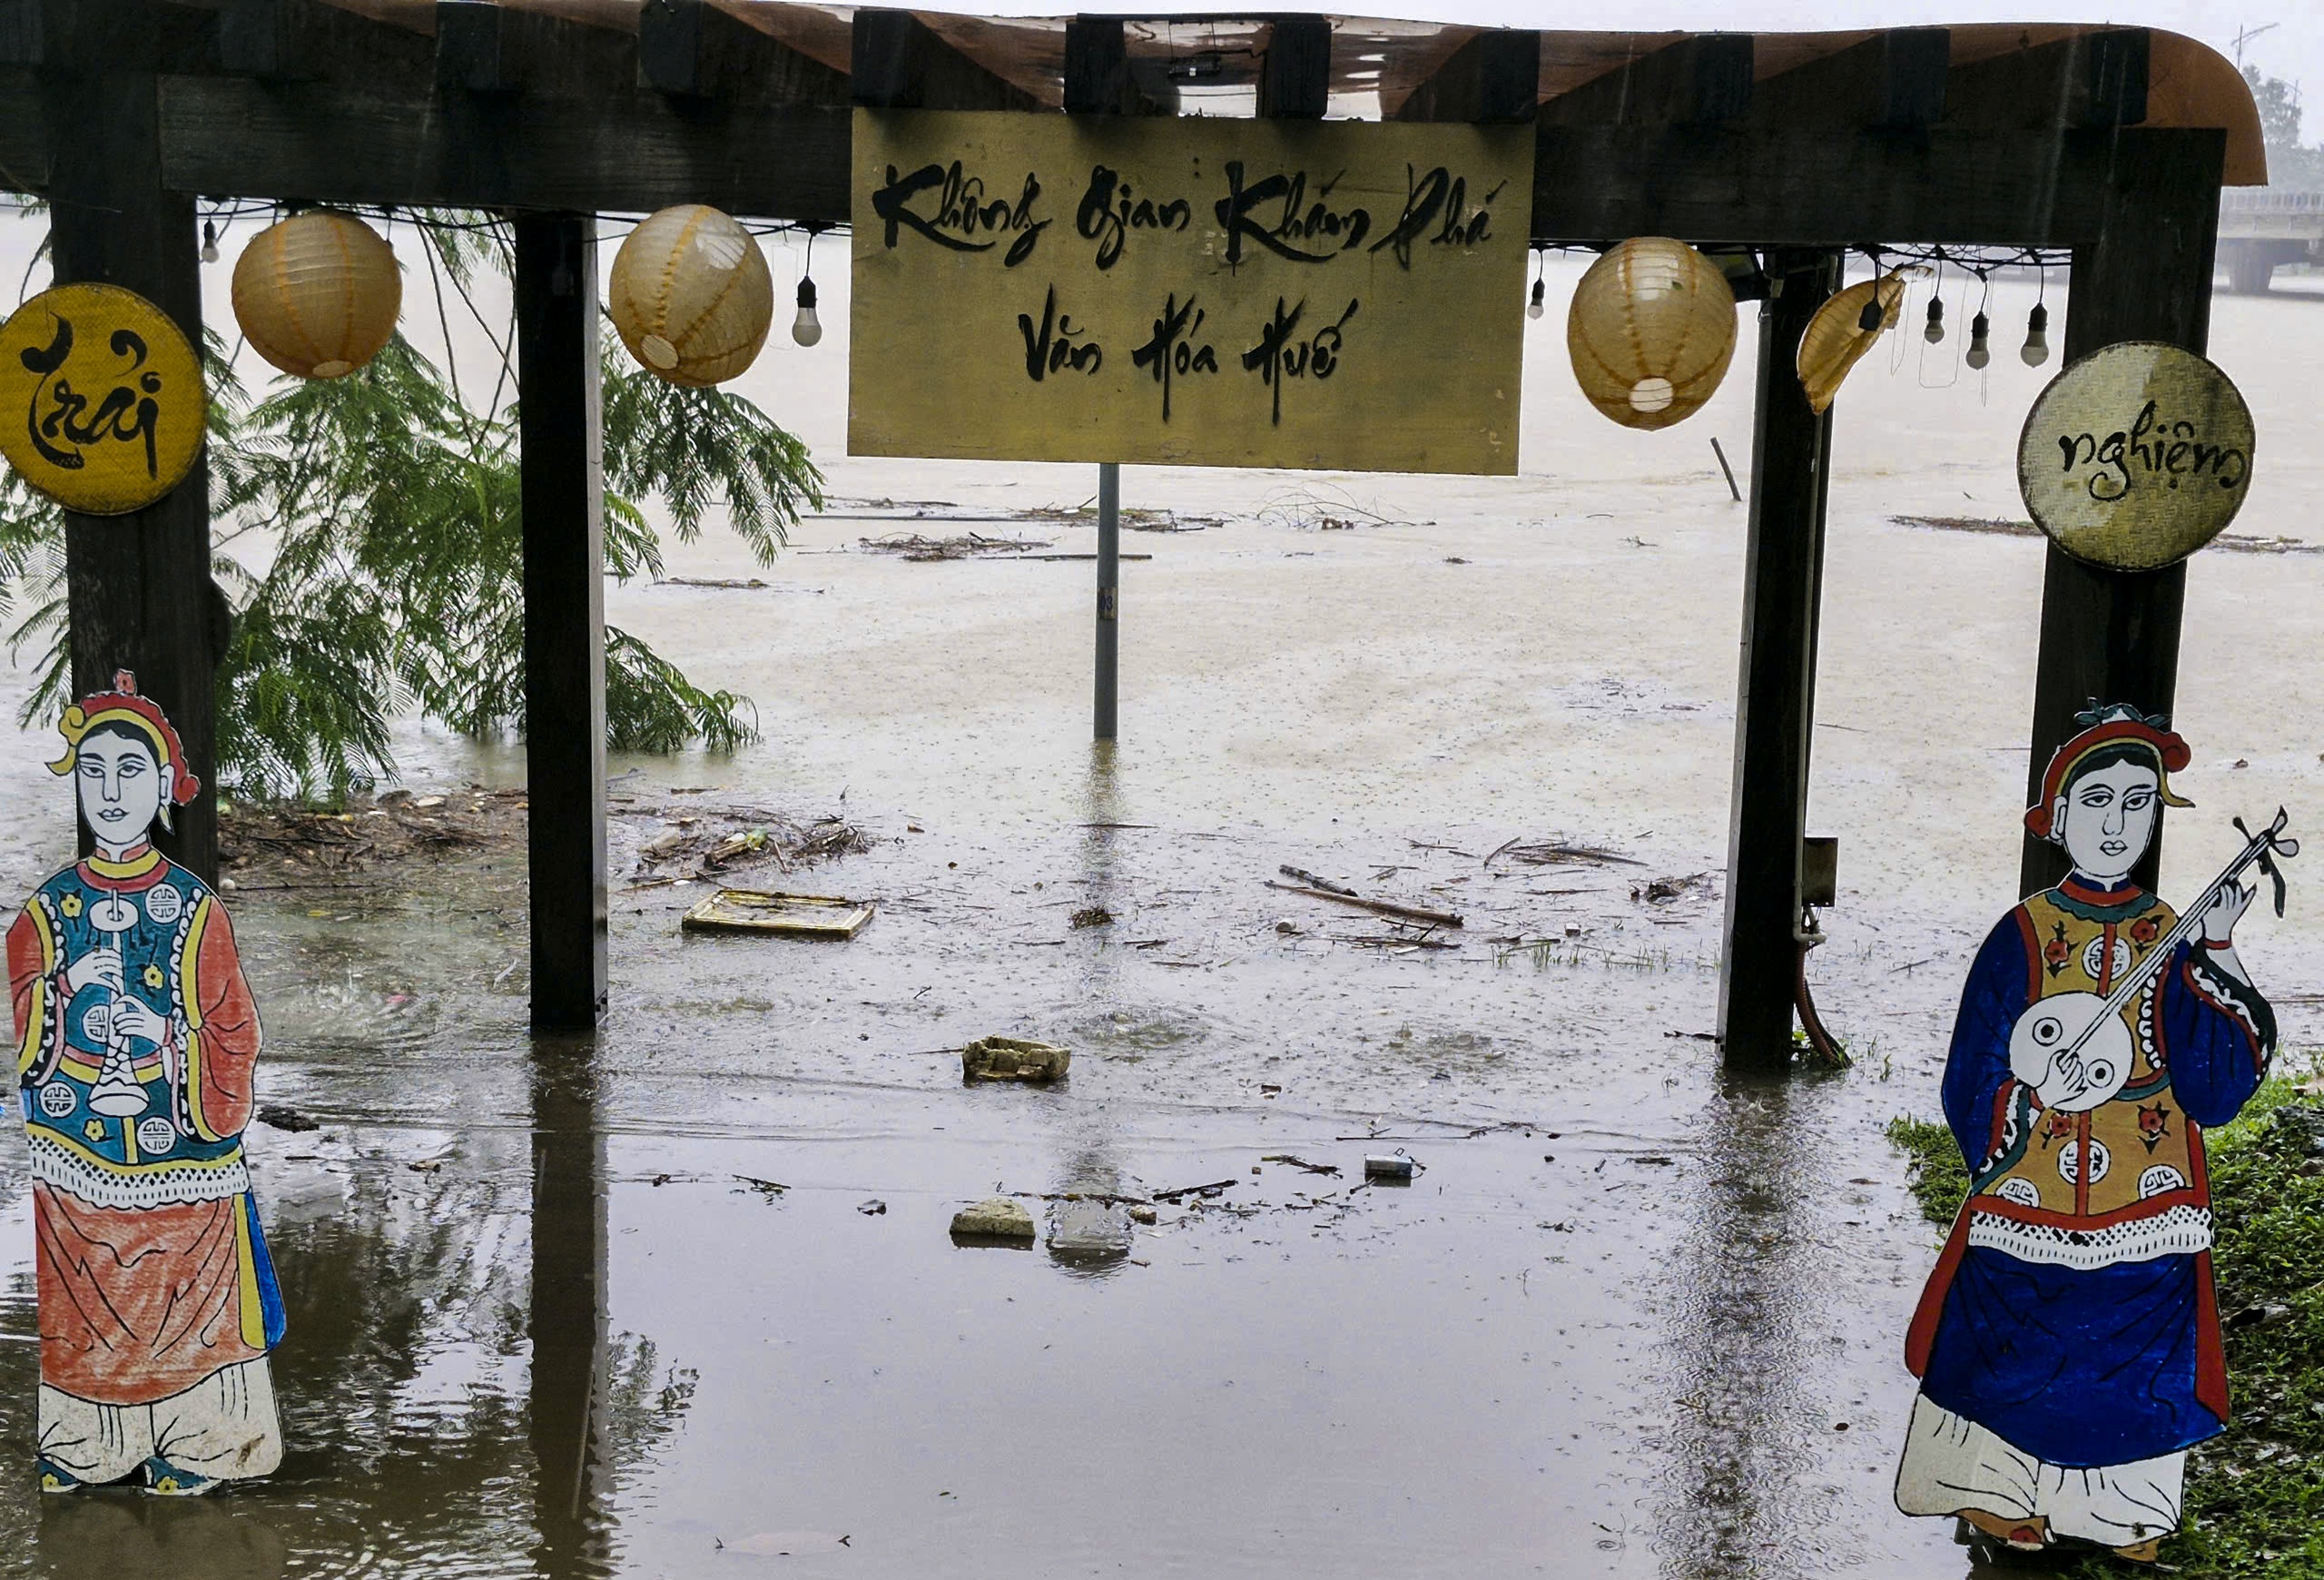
x: 1109, y: 584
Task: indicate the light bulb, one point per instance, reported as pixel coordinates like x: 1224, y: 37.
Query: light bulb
x: 1533, y: 308
x: 2036, y: 350
x: 1935, y: 330
x: 806, y: 328
x: 1873, y: 316
x: 209, y: 241
x: 1980, y: 353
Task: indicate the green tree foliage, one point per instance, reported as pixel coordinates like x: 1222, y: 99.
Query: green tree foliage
x: 2290, y: 165
x: 369, y: 542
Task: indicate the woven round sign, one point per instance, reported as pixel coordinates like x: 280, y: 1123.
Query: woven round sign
x: 2136, y: 456
x: 102, y: 406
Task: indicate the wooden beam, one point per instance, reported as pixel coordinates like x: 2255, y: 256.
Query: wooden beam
x: 308, y: 40
x: 1295, y: 72
x: 900, y: 64
x: 485, y: 48
x: 1494, y: 76
x: 693, y: 50
x: 2113, y: 636
x: 107, y: 36
x: 1895, y: 80
x: 2092, y: 79
x: 1819, y: 188
x: 1775, y: 701
x: 476, y: 47
x: 1700, y: 81
x: 564, y: 617
x: 138, y: 585
x: 629, y: 151
x: 639, y: 151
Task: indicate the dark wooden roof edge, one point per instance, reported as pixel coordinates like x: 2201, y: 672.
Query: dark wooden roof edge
x: 771, y: 54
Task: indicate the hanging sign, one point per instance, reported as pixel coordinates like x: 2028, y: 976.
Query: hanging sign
x: 1197, y: 292
x: 102, y: 405
x: 2136, y: 456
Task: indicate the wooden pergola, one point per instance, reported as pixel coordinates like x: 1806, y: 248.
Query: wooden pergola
x: 2111, y: 142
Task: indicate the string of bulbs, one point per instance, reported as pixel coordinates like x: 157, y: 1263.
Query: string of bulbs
x: 1983, y: 263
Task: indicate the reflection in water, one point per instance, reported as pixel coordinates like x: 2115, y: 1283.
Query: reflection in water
x: 446, y: 1415
x: 1746, y: 1341
x: 171, y: 1539
x: 567, y: 1317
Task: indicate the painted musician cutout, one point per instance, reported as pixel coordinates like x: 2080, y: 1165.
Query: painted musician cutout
x: 2068, y: 1343
x: 135, y: 1043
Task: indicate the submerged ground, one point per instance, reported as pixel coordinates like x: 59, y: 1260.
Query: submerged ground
x: 1632, y: 1318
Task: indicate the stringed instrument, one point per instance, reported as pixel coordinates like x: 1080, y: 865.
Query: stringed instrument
x: 2083, y: 1035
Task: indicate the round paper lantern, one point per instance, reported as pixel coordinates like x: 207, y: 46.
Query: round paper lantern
x: 691, y: 296
x: 1650, y: 332
x: 318, y: 293
x: 1842, y: 330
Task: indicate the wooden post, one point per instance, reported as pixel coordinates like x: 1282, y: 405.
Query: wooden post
x: 138, y: 586
x: 2113, y: 636
x: 1776, y: 689
x: 564, y: 622
x: 1109, y: 592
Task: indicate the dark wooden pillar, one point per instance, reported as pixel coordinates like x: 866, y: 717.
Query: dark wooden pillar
x: 1774, y: 698
x: 2113, y: 635
x: 564, y: 621
x: 138, y: 585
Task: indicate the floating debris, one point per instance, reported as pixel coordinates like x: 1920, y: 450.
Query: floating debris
x: 995, y: 1218
x: 920, y: 549
x: 792, y: 916
x: 1092, y: 916
x: 1553, y: 852
x: 1013, y: 1059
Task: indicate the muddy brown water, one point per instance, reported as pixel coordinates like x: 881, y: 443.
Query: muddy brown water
x: 1630, y: 1319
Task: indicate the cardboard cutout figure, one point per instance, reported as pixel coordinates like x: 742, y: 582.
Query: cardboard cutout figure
x: 2068, y: 1343
x: 135, y: 1043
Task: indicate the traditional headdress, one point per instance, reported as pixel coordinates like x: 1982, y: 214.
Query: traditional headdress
x: 122, y: 705
x: 2103, y: 727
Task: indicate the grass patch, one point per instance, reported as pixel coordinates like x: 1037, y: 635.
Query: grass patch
x: 1939, y: 1178
x: 2255, y: 1496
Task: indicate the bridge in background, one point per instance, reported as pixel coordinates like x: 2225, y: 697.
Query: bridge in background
x: 2261, y: 229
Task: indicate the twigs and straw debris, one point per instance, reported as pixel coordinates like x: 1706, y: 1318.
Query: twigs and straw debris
x: 1557, y: 851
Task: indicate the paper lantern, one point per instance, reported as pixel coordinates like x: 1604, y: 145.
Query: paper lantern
x: 1842, y: 330
x: 317, y: 294
x: 691, y: 296
x: 1651, y: 332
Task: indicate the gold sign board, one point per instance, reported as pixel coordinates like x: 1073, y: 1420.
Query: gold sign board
x: 102, y: 406
x: 2136, y: 456
x: 1341, y: 295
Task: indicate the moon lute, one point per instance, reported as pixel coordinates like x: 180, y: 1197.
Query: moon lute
x: 2083, y: 1035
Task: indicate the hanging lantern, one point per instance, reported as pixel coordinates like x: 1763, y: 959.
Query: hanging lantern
x: 317, y: 294
x: 691, y: 296
x: 1842, y: 330
x: 1651, y: 332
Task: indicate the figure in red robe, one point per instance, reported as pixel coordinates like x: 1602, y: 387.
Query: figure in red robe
x: 135, y: 1044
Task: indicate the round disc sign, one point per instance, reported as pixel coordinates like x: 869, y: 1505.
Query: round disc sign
x: 2136, y: 456
x: 102, y: 405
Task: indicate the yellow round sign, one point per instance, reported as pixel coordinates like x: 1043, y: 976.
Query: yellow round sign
x: 102, y: 405
x: 2136, y: 456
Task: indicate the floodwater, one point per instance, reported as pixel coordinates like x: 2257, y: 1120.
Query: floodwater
x: 1631, y: 1318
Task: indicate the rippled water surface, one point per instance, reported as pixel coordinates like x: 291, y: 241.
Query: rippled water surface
x: 549, y: 1317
